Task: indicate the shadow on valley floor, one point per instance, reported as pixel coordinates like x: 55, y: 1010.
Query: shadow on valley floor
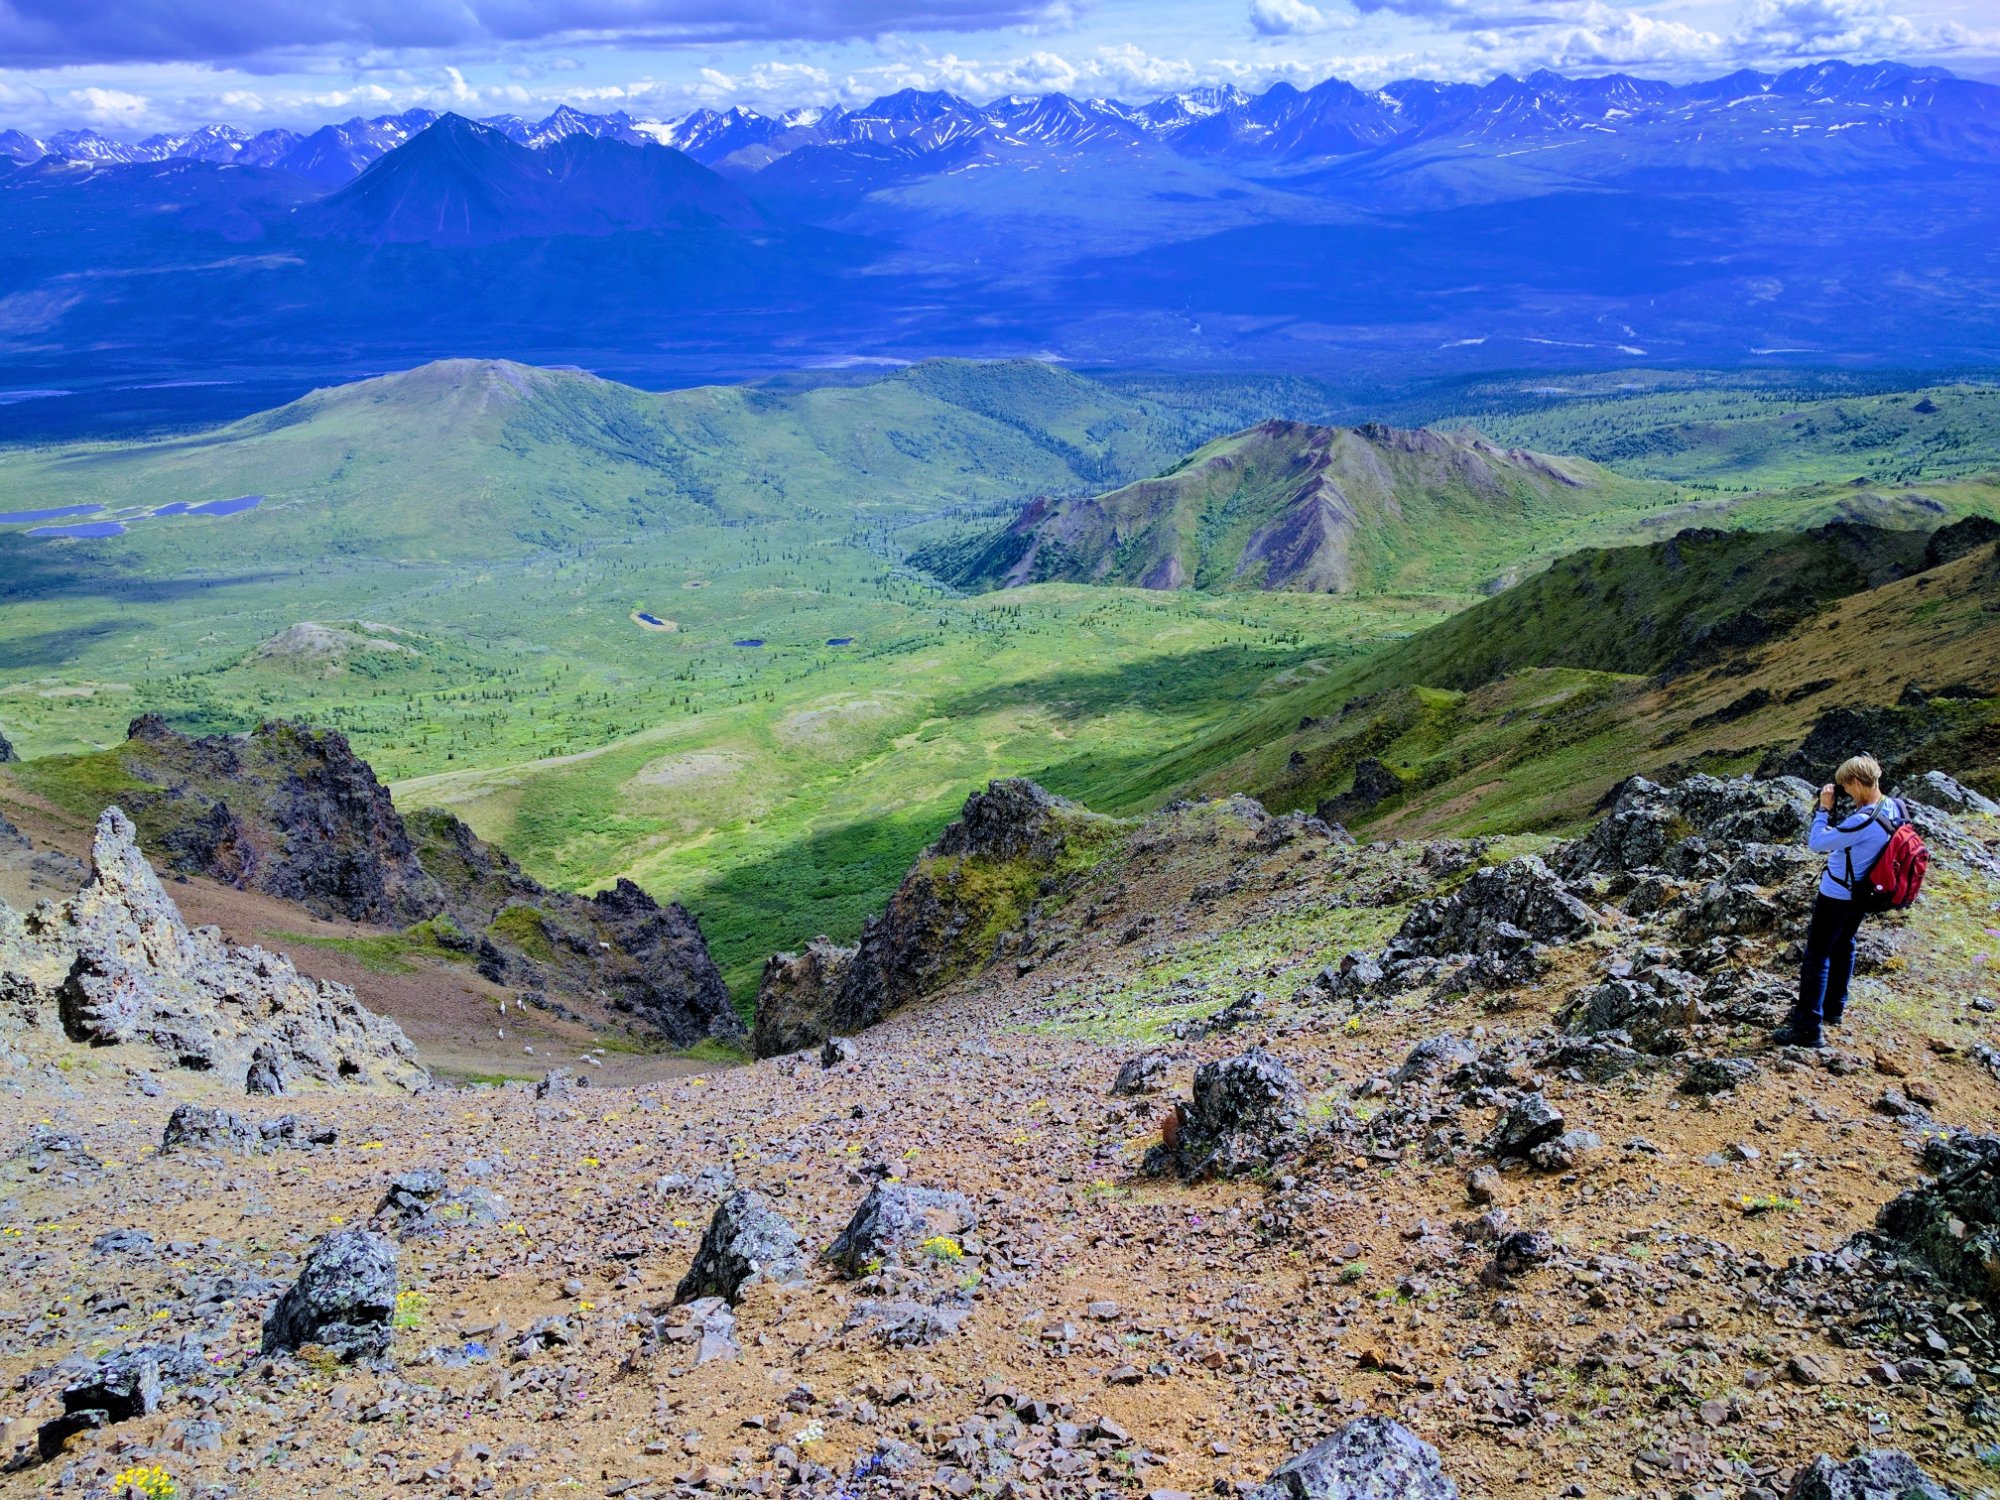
x: 32, y: 570
x: 59, y: 649
x: 1193, y: 684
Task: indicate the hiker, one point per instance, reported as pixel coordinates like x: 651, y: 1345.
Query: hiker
x: 1851, y: 847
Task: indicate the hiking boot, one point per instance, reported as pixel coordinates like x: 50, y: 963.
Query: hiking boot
x: 1792, y: 1035
x: 1833, y: 1015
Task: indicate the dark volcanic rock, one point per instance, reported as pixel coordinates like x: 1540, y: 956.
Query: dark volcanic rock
x: 6, y: 750
x: 1676, y: 828
x: 115, y: 964
x: 287, y: 810
x: 838, y: 1050
x: 1935, y: 789
x: 266, y: 1075
x: 748, y: 1243
x: 293, y: 812
x: 1370, y: 1458
x: 798, y: 998
x: 118, y: 1388
x: 894, y: 1221
x: 344, y: 1299
x: 1898, y: 736
x: 1500, y: 911
x: 1375, y: 783
x: 1952, y: 1223
x: 1949, y: 543
x: 979, y: 881
x: 208, y: 1130
x: 1247, y: 1112
x: 1525, y: 1125
x: 1141, y: 1075
x: 1874, y: 1474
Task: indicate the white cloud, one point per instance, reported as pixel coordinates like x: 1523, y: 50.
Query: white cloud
x: 1596, y: 35
x: 110, y: 107
x: 1292, y: 18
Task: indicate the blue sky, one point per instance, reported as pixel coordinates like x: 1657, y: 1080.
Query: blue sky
x: 129, y: 67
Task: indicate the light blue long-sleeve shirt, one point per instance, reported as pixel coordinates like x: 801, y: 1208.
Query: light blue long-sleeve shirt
x: 1859, y: 837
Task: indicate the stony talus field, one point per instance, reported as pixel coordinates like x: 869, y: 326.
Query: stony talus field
x: 1484, y: 1180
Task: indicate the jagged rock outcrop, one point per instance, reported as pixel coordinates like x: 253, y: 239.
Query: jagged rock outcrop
x: 295, y: 813
x: 1375, y: 783
x: 116, y: 965
x: 1143, y: 1074
x: 1952, y: 1223
x: 119, y: 1387
x: 1691, y: 830
x: 6, y: 750
x: 1936, y: 789
x: 287, y: 810
x: 798, y: 998
x: 200, y: 1129
x: 1500, y: 910
x: 1246, y: 1113
x: 1370, y: 1458
x: 344, y: 1300
x: 980, y: 880
x: 1873, y: 1474
x: 418, y: 1203
x: 748, y: 1243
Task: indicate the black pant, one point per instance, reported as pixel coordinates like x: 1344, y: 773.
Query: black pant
x: 1829, y: 961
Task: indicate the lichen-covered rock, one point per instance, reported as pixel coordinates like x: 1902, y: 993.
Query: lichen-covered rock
x: 1246, y: 1113
x: 797, y: 998
x: 748, y: 1243
x: 978, y: 883
x: 1874, y: 1474
x: 1524, y: 1125
x: 838, y: 1050
x: 1654, y: 1007
x: 1144, y: 1074
x: 1498, y: 911
x: 1565, y: 1152
x: 266, y: 1075
x: 118, y: 1388
x: 121, y: 968
x: 1652, y: 827
x: 894, y: 1223
x: 201, y: 1129
x: 559, y: 1083
x: 1435, y: 1057
x: 1935, y: 789
x: 1369, y: 1458
x: 418, y: 1203
x: 344, y: 1300
x: 6, y: 750
x: 1718, y: 1075
x: 1952, y: 1222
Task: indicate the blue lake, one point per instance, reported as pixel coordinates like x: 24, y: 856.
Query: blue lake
x: 646, y: 619
x: 11, y: 516
x: 86, y: 528
x: 178, y: 508
x: 748, y: 643
x: 840, y: 640
x: 226, y: 507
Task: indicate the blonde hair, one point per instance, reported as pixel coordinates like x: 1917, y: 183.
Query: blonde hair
x: 1858, y: 770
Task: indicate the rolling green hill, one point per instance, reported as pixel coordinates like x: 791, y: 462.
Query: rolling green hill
x: 1285, y: 505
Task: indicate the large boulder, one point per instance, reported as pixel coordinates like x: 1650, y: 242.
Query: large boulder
x: 895, y: 1223
x: 6, y: 750
x: 116, y: 965
x: 1952, y: 1223
x: 1369, y: 1458
x: 748, y: 1243
x: 798, y: 999
x: 1247, y: 1112
x: 1874, y: 1474
x: 200, y: 1129
x: 1935, y: 789
x: 1499, y: 911
x: 344, y: 1300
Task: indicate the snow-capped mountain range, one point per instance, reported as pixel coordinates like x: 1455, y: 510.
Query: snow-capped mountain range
x: 1283, y: 127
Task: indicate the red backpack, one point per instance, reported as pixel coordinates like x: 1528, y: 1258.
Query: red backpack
x: 1897, y: 875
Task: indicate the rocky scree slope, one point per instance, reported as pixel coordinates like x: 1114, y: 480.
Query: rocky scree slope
x: 1468, y: 1235
x: 293, y: 812
x: 115, y: 965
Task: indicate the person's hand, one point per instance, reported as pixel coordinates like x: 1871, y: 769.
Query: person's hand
x: 1826, y: 797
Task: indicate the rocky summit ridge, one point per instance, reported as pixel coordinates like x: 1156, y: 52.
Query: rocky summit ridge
x: 1207, y: 1152
x: 293, y: 812
x: 115, y: 965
